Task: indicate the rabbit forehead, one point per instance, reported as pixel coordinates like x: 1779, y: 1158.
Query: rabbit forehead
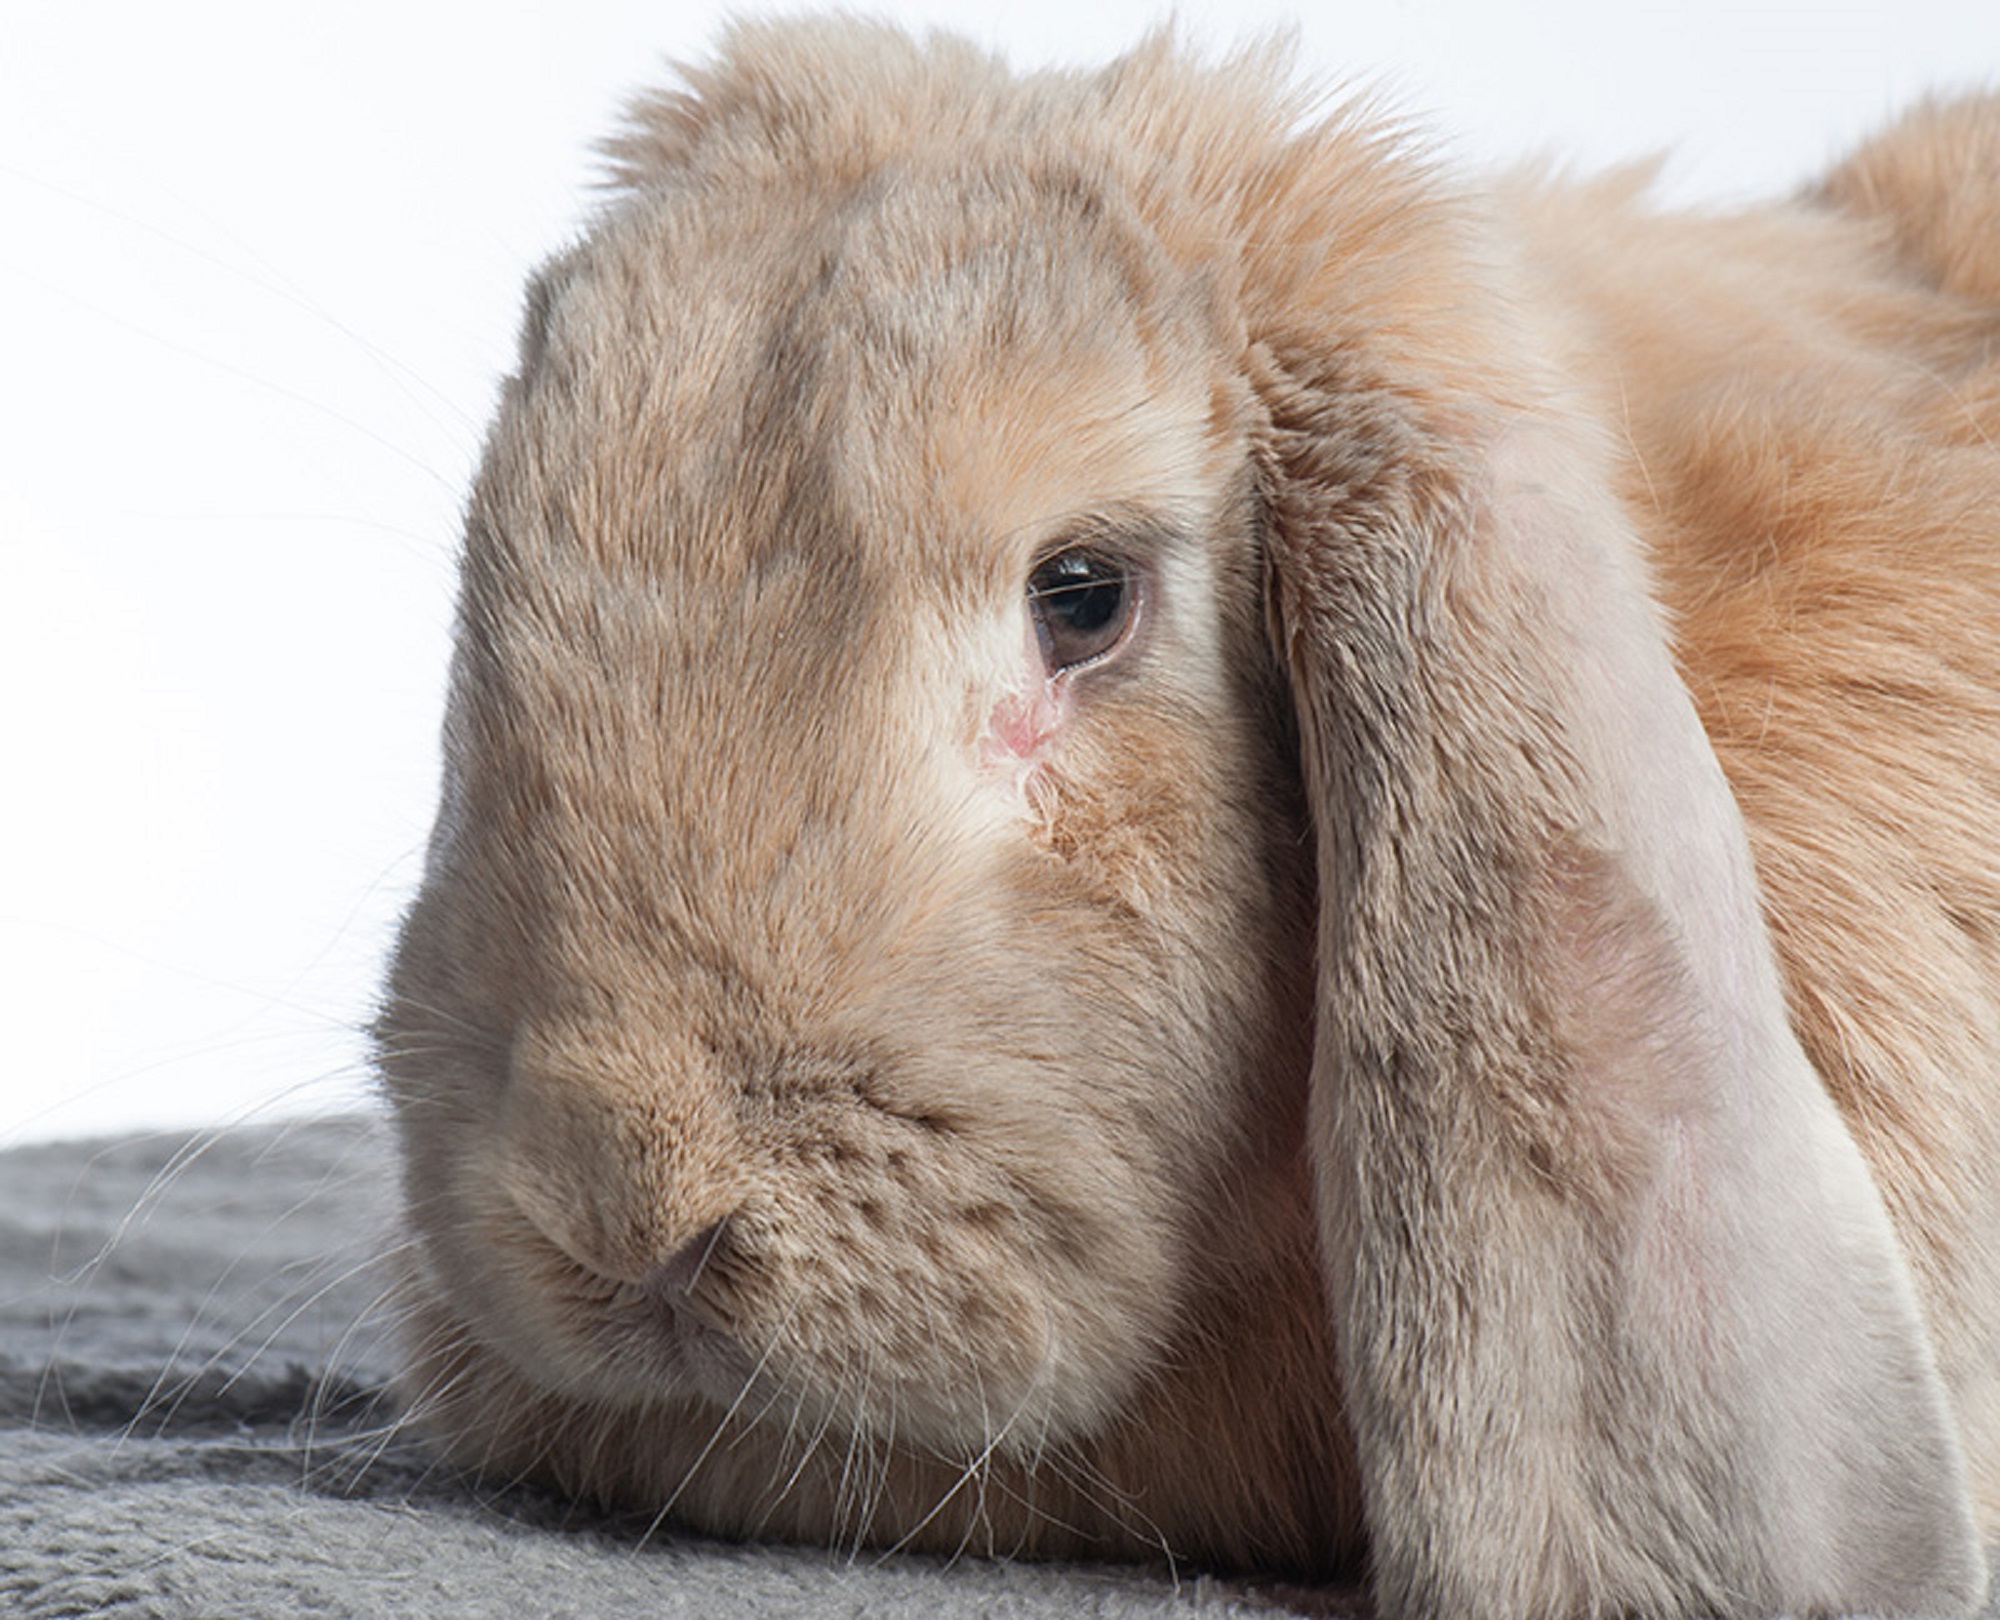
x: 808, y: 449
x: 901, y: 347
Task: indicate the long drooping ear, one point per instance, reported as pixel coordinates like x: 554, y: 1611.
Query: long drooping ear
x: 1624, y: 1324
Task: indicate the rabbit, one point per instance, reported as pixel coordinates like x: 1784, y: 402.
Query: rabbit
x: 1165, y: 836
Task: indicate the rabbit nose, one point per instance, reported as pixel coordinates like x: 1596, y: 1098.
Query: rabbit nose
x: 636, y: 1212
x: 675, y: 1277
x: 624, y: 1156
x: 642, y: 1249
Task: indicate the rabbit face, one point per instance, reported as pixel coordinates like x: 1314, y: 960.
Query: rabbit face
x: 861, y: 962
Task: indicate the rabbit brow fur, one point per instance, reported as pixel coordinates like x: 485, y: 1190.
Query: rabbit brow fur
x: 1466, y: 1050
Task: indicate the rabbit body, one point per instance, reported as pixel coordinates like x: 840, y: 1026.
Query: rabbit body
x: 1466, y: 1037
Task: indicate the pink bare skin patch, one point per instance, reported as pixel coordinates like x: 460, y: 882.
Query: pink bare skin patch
x: 1026, y: 710
x: 1021, y: 729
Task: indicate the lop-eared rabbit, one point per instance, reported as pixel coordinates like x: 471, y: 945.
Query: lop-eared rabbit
x: 1163, y: 833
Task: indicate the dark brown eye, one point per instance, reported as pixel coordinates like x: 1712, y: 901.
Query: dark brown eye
x: 1082, y: 605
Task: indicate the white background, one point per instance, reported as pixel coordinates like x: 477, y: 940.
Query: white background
x: 258, y: 272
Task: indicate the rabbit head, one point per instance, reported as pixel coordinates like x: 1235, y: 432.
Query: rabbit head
x: 1076, y: 903
x: 864, y: 949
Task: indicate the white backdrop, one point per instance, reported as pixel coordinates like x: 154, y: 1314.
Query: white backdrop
x: 258, y: 272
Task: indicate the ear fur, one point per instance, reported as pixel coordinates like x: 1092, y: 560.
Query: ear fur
x: 1623, y: 1322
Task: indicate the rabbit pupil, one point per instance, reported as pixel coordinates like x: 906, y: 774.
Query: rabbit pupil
x: 1080, y: 605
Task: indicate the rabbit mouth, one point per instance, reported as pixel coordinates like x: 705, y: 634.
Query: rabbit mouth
x: 654, y: 1343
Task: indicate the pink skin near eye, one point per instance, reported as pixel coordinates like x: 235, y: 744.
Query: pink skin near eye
x: 1024, y: 721
x: 1032, y: 709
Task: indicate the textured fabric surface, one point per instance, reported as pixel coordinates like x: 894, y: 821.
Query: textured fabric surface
x: 192, y: 1424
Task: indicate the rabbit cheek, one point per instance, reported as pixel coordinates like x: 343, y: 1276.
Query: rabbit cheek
x: 894, y: 1304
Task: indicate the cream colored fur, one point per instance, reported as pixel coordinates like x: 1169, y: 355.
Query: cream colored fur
x: 1468, y: 1044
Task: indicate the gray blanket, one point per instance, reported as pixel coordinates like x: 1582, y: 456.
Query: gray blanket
x: 192, y: 1424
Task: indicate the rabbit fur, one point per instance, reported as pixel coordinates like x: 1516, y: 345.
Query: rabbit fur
x: 1468, y: 1043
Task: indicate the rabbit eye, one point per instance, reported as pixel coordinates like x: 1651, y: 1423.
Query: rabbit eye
x: 1082, y: 604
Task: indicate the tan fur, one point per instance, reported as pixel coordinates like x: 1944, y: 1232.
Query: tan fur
x: 1328, y: 1078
